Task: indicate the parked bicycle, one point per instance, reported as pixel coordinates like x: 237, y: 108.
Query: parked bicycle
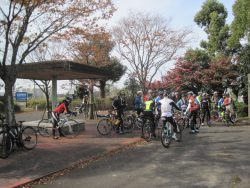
x: 23, y: 137
x: 69, y: 127
x: 136, y: 120
x: 148, y: 126
x: 82, y: 109
x: 228, y: 118
x: 184, y: 120
x: 168, y: 131
x: 109, y: 122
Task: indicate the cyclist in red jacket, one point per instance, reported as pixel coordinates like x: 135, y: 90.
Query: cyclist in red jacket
x: 62, y: 107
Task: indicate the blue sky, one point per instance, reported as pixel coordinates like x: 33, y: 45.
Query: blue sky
x: 181, y: 13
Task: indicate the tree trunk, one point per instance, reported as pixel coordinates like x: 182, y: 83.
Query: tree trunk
x: 102, y: 88
x: 91, y: 91
x: 9, y: 108
x: 47, y: 105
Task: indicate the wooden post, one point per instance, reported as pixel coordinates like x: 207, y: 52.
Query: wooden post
x: 54, y: 92
x: 248, y: 78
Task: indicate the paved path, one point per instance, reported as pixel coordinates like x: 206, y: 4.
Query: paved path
x: 217, y: 157
x: 52, y: 155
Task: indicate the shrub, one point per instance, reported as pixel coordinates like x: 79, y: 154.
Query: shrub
x: 241, y: 108
x: 39, y: 103
x: 103, y: 104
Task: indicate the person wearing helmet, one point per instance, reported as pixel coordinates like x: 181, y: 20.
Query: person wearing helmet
x: 61, y: 108
x: 149, y: 95
x: 199, y: 97
x: 157, y: 99
x: 183, y: 103
x: 228, y: 104
x: 176, y: 97
x: 138, y: 103
x: 167, y: 106
x: 192, y: 110
x: 205, y: 107
x: 214, y: 100
x: 148, y: 113
x: 119, y: 105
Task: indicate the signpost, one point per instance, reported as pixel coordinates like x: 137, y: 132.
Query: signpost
x: 22, y: 97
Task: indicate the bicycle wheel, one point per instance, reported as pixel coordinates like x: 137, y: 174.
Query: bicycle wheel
x: 166, y: 136
x: 29, y: 138
x: 45, y: 127
x: 147, y: 135
x: 70, y: 128
x: 128, y: 124
x: 139, y: 122
x: 104, y: 127
x: 182, y: 124
x: 198, y: 122
x: 179, y: 132
x: 6, y: 144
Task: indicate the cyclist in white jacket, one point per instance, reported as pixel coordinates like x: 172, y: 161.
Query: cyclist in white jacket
x: 167, y: 105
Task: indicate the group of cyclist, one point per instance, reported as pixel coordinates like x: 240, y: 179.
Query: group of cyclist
x: 163, y: 103
x: 192, y: 105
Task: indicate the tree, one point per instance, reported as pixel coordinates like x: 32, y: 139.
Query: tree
x: 212, y: 17
x: 116, y: 71
x: 189, y: 75
x: 240, y: 26
x: 242, y: 61
x: 185, y: 76
x: 132, y: 85
x: 146, y: 43
x: 219, y: 76
x: 26, y: 24
x: 199, y: 56
x: 94, y: 49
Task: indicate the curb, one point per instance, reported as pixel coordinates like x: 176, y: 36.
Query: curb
x: 81, y: 163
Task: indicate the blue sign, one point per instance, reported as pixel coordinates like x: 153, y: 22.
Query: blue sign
x: 21, y: 96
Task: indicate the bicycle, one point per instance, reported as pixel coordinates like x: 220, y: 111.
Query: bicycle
x: 109, y: 122
x: 182, y: 120
x: 81, y: 109
x: 167, y: 133
x: 228, y: 118
x: 69, y: 127
x: 23, y: 137
x: 136, y: 120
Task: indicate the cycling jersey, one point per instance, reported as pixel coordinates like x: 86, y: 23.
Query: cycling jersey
x: 157, y: 100
x: 149, y: 105
x: 61, y: 108
x: 192, y: 106
x: 138, y: 102
x: 182, y: 104
x: 167, y: 107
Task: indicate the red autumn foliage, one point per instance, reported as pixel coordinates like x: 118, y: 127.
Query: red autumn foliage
x: 190, y: 75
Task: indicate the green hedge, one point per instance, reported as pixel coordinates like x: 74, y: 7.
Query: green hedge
x: 241, y: 108
x: 39, y: 103
x: 106, y: 103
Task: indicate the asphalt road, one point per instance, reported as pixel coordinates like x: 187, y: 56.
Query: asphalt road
x: 216, y: 157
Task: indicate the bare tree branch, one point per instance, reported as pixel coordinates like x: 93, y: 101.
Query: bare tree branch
x: 147, y: 43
